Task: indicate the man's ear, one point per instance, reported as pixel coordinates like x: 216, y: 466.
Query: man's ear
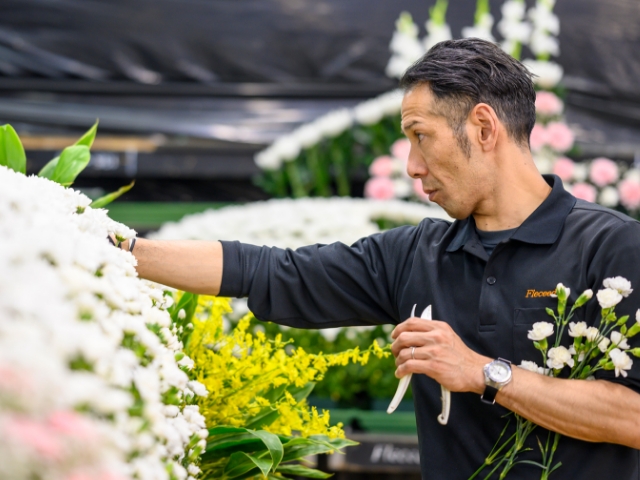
x: 485, y: 126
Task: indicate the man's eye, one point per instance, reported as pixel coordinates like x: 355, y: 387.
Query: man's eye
x: 419, y: 136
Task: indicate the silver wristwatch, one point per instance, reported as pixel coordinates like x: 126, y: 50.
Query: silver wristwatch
x: 497, y: 374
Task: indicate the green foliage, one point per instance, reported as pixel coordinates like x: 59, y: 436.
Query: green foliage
x: 72, y: 161
x: 110, y: 197
x: 330, y: 167
x: 11, y: 151
x: 235, y: 453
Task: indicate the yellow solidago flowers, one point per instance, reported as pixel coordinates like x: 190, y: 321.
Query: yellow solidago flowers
x: 253, y: 382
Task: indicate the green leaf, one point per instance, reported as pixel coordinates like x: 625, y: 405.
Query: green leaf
x: 110, y: 197
x: 302, y: 471
x: 240, y: 463
x: 48, y: 169
x: 273, y: 444
x: 11, y: 150
x: 302, y: 447
x: 300, y: 393
x: 264, y: 418
x: 88, y: 138
x: 73, y: 160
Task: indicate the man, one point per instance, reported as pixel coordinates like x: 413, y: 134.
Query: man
x: 468, y: 111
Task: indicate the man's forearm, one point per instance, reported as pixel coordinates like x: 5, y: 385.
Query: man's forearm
x: 193, y: 266
x: 596, y: 411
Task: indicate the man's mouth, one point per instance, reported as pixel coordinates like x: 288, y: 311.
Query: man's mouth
x: 430, y: 193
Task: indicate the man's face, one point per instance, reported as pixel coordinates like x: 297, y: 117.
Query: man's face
x: 452, y: 179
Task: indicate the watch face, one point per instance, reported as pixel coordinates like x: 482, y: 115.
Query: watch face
x: 499, y: 371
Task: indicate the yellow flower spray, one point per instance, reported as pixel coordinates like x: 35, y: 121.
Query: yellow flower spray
x: 253, y: 382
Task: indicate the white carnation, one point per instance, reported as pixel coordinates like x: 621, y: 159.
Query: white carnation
x: 558, y: 357
x: 578, y: 329
x: 621, y: 361
x: 619, y: 340
x: 621, y: 284
x: 608, y: 297
x: 540, y: 331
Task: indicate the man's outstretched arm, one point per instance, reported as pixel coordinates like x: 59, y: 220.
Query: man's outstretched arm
x: 190, y: 265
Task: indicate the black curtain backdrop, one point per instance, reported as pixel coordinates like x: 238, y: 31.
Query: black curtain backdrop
x: 298, y: 46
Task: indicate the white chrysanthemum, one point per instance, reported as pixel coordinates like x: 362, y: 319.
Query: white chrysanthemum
x: 621, y: 361
x: 558, y: 357
x: 540, y: 331
x: 54, y: 250
x: 621, y: 284
x: 608, y: 297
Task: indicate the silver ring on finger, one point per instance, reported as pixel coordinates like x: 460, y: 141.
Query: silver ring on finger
x: 413, y: 351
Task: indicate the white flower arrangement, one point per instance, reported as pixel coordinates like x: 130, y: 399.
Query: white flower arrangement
x: 289, y: 223
x: 483, y: 23
x: 592, y: 349
x: 89, y: 382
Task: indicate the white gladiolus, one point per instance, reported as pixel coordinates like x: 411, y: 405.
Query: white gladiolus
x: 608, y: 297
x: 436, y: 33
x: 547, y: 74
x: 540, y: 331
x: 558, y: 357
x: 620, y: 284
x: 68, y: 297
x: 621, y: 361
x: 578, y: 329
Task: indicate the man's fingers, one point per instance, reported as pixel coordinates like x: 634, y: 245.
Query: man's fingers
x: 415, y: 324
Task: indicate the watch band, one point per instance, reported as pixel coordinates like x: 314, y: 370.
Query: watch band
x: 489, y: 395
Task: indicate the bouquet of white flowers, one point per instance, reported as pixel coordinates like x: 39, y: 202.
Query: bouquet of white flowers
x: 594, y: 348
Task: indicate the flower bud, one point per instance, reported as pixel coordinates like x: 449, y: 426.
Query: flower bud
x: 584, y: 298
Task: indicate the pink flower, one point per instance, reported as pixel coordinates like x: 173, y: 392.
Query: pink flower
x: 417, y: 189
x: 559, y: 136
x: 629, y: 194
x: 400, y: 149
x: 564, y: 168
x: 34, y: 435
x: 603, y: 172
x: 379, y: 188
x: 382, y: 167
x: 548, y: 103
x: 71, y: 424
x: 584, y: 191
x: 538, y: 137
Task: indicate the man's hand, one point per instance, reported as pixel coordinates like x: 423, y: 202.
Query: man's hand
x: 439, y: 353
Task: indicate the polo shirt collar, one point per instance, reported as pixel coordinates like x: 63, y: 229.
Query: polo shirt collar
x: 542, y: 227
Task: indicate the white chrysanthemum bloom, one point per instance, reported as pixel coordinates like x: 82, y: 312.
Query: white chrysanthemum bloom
x: 540, y: 331
x: 578, y: 329
x: 621, y: 361
x: 580, y: 172
x: 618, y: 340
x: 198, y: 388
x: 369, y: 112
x: 608, y: 297
x: 609, y: 197
x: 621, y: 284
x: 89, y: 300
x: 286, y: 147
x: 558, y: 357
x: 632, y: 174
x: 268, y: 159
x: 308, y: 135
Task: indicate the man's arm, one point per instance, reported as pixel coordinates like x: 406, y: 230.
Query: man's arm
x: 594, y: 411
x: 193, y: 266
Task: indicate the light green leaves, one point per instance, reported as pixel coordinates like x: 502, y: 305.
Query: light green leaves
x: 11, y: 151
x: 110, y: 197
x: 73, y: 160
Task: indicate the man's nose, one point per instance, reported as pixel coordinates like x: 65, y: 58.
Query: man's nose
x: 416, y: 166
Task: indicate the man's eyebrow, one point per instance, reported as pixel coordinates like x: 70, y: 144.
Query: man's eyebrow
x: 407, y: 127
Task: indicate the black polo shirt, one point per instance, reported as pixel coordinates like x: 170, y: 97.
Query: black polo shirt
x: 491, y: 302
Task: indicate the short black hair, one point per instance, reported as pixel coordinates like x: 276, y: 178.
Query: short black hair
x: 462, y: 73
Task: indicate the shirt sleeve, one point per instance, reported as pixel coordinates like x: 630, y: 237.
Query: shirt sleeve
x: 321, y: 286
x: 618, y: 255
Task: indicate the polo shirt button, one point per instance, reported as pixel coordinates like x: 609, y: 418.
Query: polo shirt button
x: 491, y: 280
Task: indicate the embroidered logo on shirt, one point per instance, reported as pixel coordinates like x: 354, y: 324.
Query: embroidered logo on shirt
x: 531, y: 293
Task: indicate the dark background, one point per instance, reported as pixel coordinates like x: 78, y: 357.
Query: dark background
x: 210, y: 82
